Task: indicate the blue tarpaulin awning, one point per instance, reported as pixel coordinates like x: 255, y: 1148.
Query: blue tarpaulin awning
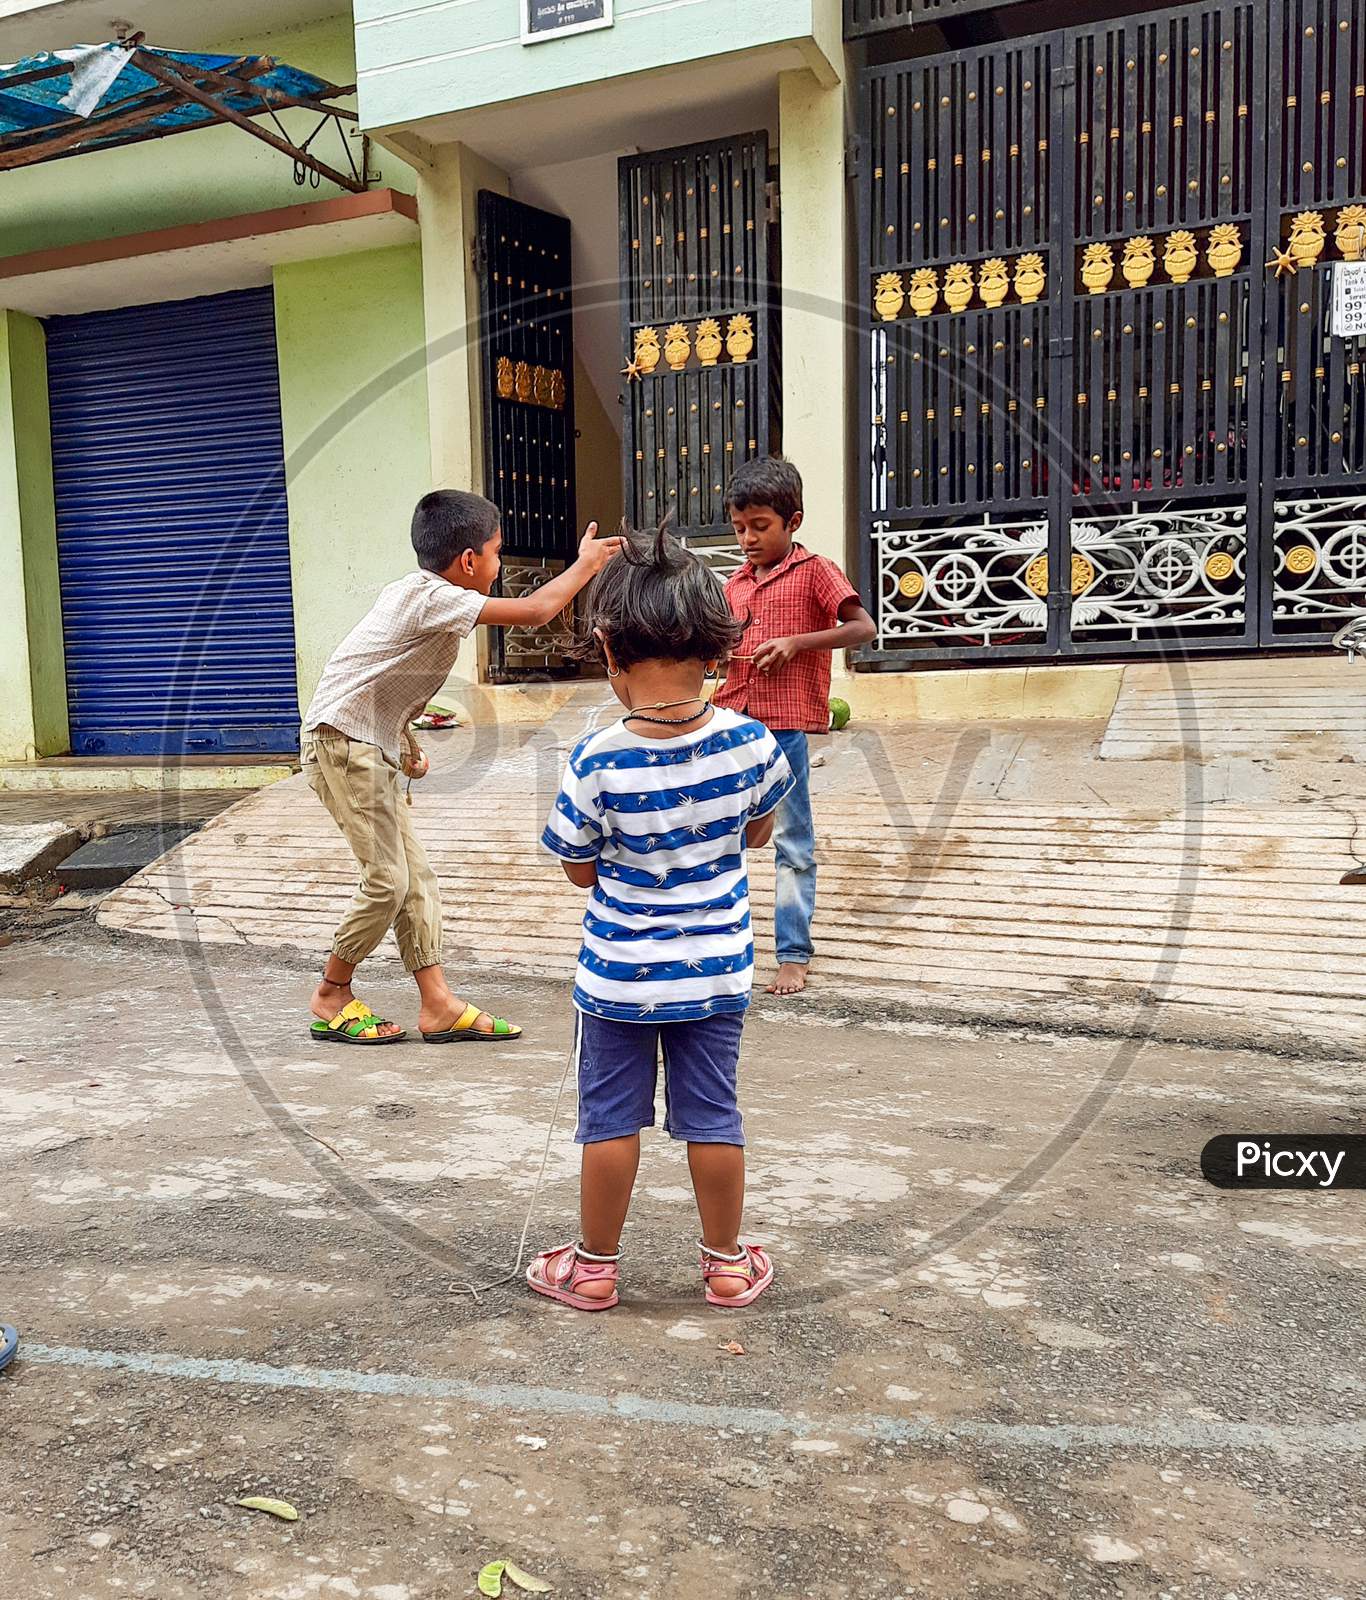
x: 93, y: 97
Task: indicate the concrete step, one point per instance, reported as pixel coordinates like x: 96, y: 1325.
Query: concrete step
x: 105, y: 863
x: 1071, y: 901
x: 77, y: 774
x: 29, y: 851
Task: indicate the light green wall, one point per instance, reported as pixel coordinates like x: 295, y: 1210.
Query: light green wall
x: 353, y: 401
x: 32, y: 672
x: 421, y: 61
x: 190, y: 177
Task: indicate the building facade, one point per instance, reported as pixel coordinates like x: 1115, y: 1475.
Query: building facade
x: 213, y: 413
x: 1041, y: 299
x: 1052, y: 308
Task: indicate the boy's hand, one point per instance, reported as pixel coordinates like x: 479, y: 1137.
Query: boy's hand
x: 775, y: 654
x: 595, y: 553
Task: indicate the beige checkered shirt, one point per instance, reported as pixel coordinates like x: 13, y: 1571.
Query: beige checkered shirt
x: 394, y: 660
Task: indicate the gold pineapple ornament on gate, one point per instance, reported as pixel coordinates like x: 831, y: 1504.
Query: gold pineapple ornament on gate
x: 888, y: 296
x: 1224, y: 250
x: 708, y: 342
x: 1097, y: 267
x: 677, y: 346
x: 924, y: 294
x: 1030, y: 279
x: 1179, y: 256
x: 739, y: 337
x: 647, y: 350
x: 1138, y: 262
x: 993, y: 284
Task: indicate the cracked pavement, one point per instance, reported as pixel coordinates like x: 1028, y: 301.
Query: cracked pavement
x: 1017, y: 1348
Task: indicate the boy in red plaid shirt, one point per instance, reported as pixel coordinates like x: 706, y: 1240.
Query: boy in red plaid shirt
x: 798, y: 608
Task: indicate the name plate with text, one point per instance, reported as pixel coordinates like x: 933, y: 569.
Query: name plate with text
x: 553, y: 19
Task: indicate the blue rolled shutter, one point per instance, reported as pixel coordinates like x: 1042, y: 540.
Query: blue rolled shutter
x: 172, y: 528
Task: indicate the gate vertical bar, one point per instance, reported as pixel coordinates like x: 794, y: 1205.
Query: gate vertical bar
x: 1060, y: 415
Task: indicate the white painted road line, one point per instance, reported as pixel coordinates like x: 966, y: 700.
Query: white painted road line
x: 1177, y: 1433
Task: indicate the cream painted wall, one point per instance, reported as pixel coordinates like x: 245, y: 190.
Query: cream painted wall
x: 449, y: 180
x: 32, y: 672
x: 811, y: 165
x: 353, y: 401
x: 448, y: 212
x: 597, y: 456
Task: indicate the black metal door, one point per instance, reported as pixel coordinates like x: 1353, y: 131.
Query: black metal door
x: 958, y: 184
x: 1164, y: 241
x: 527, y: 353
x: 698, y: 329
x: 1061, y: 247
x: 1314, y: 395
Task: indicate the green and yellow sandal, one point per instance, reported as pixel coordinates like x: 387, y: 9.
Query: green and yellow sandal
x: 355, y: 1023
x: 463, y: 1030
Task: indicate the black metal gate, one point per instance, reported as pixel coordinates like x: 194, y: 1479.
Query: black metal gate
x: 1314, y: 389
x: 527, y: 354
x: 1079, y: 401
x: 698, y: 329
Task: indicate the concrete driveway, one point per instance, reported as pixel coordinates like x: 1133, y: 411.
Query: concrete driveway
x: 1017, y: 1348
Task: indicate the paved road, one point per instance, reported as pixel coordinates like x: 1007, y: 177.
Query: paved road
x: 1017, y: 1349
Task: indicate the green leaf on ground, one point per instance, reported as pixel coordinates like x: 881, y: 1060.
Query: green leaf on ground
x: 524, y: 1580
x: 491, y: 1579
x: 276, y: 1508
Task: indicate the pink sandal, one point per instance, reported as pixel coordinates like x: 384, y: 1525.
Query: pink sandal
x: 751, y: 1262
x: 559, y: 1273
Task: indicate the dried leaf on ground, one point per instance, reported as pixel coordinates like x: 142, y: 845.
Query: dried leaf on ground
x: 732, y: 1347
x: 276, y: 1508
x: 524, y: 1580
x: 491, y: 1579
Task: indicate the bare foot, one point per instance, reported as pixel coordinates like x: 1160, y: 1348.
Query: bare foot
x: 790, y: 979
x: 331, y: 998
x: 441, y: 1021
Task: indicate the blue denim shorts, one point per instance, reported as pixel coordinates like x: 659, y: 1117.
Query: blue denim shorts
x: 619, y: 1068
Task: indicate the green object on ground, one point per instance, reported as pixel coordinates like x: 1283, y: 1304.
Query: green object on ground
x: 839, y: 714
x: 276, y: 1508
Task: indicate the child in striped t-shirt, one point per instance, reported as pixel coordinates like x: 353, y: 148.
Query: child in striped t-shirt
x: 654, y: 817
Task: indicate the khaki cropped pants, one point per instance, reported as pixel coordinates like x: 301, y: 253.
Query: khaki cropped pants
x: 398, y: 888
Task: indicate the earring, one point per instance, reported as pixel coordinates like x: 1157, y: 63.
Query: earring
x: 614, y: 672
x: 711, y: 671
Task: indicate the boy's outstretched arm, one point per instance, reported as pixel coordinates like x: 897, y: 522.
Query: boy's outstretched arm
x: 538, y: 608
x: 854, y: 628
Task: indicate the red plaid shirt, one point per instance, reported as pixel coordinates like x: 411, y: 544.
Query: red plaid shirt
x: 802, y: 594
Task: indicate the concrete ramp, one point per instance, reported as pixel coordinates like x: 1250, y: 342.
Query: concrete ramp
x: 1058, y: 903
x: 1307, y: 708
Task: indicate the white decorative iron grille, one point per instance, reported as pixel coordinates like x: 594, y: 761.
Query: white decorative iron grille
x: 979, y: 585
x: 1320, y: 570
x: 1159, y: 572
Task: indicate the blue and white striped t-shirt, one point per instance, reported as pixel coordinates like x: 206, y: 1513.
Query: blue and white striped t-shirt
x: 666, y: 935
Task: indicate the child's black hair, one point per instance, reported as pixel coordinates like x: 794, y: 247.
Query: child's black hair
x: 766, y: 481
x: 448, y: 522
x: 656, y: 602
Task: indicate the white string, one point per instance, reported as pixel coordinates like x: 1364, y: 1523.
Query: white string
x: 477, y: 1289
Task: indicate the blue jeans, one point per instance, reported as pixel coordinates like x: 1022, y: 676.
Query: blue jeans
x: 794, y: 839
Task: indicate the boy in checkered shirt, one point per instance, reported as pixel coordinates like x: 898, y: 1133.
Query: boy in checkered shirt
x: 797, y: 608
